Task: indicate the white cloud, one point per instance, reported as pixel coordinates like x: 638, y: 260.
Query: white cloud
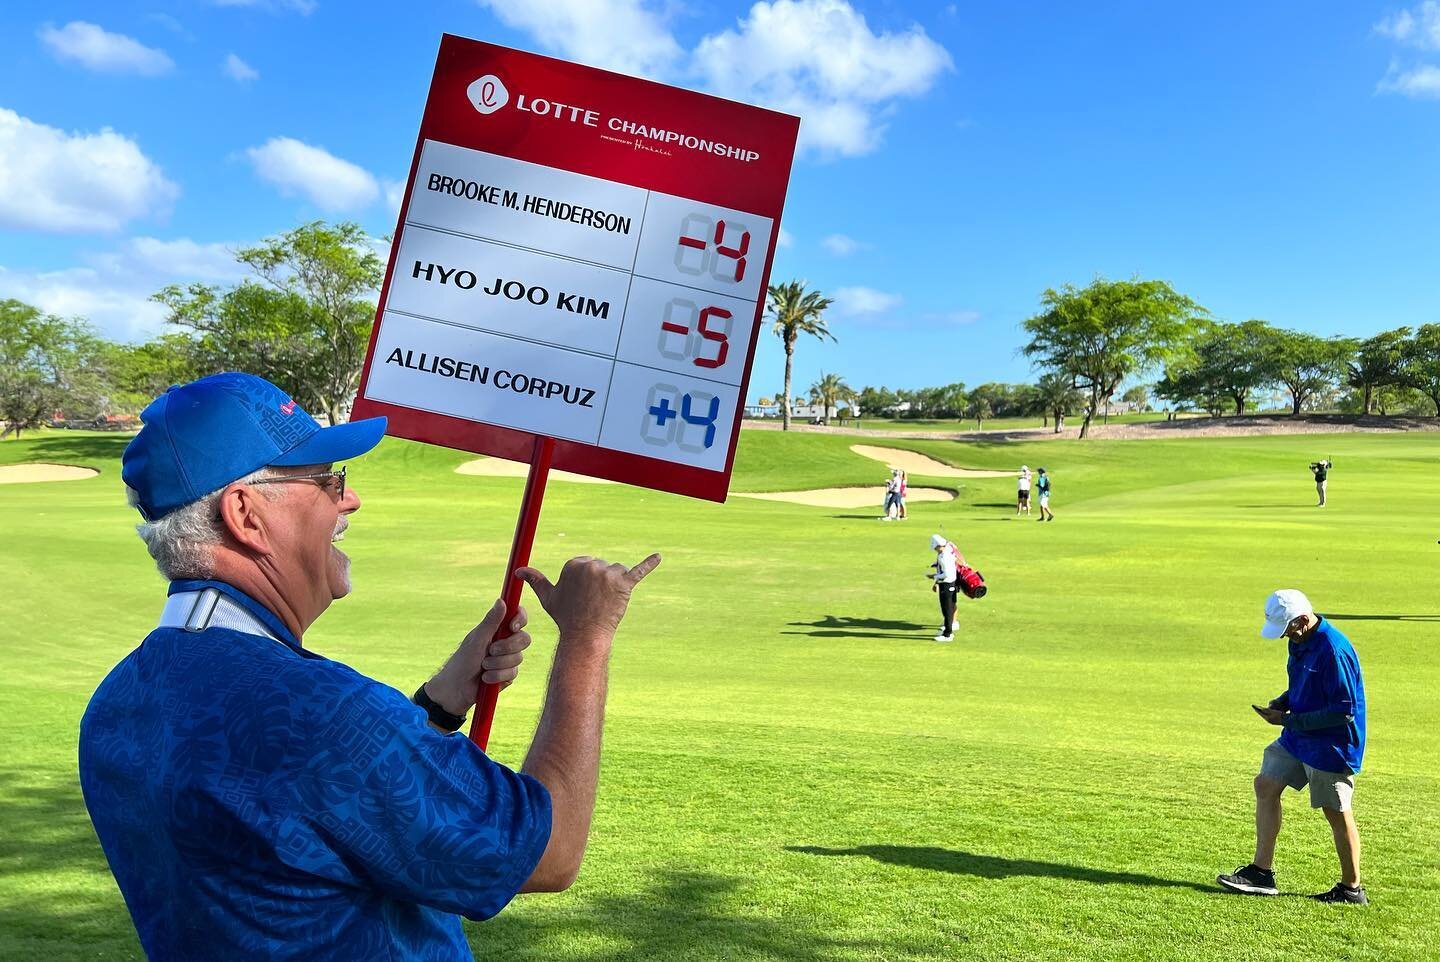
x: 618, y: 35
x: 1419, y: 27
x: 325, y: 180
x: 148, y: 256
x: 1421, y: 82
x: 785, y: 239
x: 95, y: 48
x: 842, y: 245
x: 862, y: 301
x: 121, y: 312
x: 815, y: 58
x: 302, y: 7
x: 820, y: 59
x: 394, y: 195
x: 73, y: 182
x: 113, y: 289
x: 239, y: 70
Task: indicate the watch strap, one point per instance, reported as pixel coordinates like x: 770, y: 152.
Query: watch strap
x: 439, y: 717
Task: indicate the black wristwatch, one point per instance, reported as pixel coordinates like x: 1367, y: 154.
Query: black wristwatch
x: 439, y: 717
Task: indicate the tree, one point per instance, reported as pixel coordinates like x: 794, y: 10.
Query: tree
x: 303, y: 325
x: 979, y: 408
x: 1193, y: 384
x: 795, y: 311
x: 1057, y: 396
x: 1378, y: 362
x: 47, y: 364
x: 1222, y: 364
x: 1421, y: 366
x: 1306, y: 364
x: 877, y: 400
x: 827, y: 393
x: 1108, y: 331
x: 139, y: 373
x: 1138, y: 397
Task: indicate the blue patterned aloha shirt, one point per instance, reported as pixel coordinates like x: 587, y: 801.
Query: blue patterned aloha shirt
x: 259, y: 801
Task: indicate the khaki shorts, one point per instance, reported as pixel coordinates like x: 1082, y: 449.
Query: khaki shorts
x: 1332, y: 790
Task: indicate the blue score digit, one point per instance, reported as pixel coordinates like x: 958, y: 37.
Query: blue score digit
x: 665, y: 423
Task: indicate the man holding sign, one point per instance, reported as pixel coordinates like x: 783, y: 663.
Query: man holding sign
x: 258, y: 800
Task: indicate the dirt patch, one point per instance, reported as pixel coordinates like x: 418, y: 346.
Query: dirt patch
x: 913, y: 463
x: 849, y: 497
x: 500, y: 468
x: 33, y: 473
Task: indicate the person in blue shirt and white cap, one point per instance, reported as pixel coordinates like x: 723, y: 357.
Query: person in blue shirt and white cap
x: 257, y: 800
x: 1322, y: 714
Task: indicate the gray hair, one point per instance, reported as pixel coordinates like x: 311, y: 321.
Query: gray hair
x: 181, y: 541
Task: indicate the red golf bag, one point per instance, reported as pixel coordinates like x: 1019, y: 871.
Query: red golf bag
x: 970, y: 582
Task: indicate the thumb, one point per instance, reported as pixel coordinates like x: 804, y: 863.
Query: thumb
x: 491, y: 622
x: 537, y: 581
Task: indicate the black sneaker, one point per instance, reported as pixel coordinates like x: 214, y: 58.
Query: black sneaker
x: 1249, y: 880
x: 1344, y: 894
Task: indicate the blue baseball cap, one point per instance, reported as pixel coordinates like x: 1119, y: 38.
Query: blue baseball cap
x: 199, y: 437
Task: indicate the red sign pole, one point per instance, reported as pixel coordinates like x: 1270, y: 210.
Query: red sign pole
x: 488, y: 695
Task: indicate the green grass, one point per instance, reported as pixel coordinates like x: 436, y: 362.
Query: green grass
x: 793, y: 770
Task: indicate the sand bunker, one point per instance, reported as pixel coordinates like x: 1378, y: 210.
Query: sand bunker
x: 849, y: 497
x: 913, y: 463
x: 30, y: 473
x: 500, y: 468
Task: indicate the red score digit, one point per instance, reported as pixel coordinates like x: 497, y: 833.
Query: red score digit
x: 720, y: 337
x: 737, y: 254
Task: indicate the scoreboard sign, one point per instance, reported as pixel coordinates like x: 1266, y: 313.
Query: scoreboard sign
x: 582, y: 256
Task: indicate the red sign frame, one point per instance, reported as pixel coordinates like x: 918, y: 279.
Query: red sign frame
x: 562, y: 139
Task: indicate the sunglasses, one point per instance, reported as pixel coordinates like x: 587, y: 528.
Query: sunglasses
x: 322, y: 478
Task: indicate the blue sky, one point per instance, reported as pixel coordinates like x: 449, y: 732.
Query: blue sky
x: 1273, y: 160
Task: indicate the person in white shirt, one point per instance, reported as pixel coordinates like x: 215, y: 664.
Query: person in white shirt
x: 947, y: 561
x: 1022, y: 494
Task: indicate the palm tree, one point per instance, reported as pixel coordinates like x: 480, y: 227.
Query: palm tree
x: 795, y: 311
x: 827, y: 393
x: 1056, y: 394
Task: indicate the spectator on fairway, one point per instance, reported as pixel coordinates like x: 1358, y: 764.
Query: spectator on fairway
x: 902, y: 492
x: 892, y: 496
x: 1022, y: 493
x: 257, y: 800
x: 1321, y: 470
x: 1322, y: 712
x: 1042, y: 486
x: 947, y: 561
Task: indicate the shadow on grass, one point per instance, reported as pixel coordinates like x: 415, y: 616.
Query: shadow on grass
x: 56, y: 897
x: 45, y: 836
x: 78, y: 448
x: 1332, y: 617
x: 682, y: 915
x: 992, y: 866
x: 834, y: 626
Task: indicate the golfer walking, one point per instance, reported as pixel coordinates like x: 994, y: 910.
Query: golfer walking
x: 1042, y: 487
x: 1022, y: 491
x: 1322, y: 714
x: 257, y: 800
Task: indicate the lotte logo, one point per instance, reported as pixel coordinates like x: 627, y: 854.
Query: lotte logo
x: 488, y: 94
